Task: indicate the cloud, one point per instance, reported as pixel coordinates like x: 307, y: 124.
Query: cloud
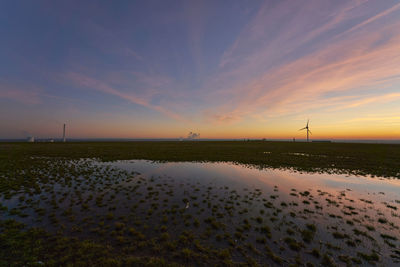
x: 222, y: 118
x: 95, y: 84
x: 109, y: 41
x: 195, y: 15
x: 281, y: 28
x: 375, y: 99
x: 374, y: 18
x: 20, y: 92
x: 380, y: 119
x: 278, y: 75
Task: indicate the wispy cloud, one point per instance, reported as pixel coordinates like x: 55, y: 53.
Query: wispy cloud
x: 20, y: 92
x: 381, y: 99
x: 268, y: 79
x: 230, y: 68
x: 195, y: 14
x: 374, y: 18
x: 380, y: 119
x: 110, y: 42
x: 95, y: 84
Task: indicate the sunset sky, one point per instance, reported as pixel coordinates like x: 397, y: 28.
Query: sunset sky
x: 224, y: 69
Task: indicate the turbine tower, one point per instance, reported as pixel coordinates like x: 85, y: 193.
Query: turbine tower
x: 308, y: 130
x: 64, y: 133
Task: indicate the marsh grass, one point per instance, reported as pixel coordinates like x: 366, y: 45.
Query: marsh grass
x: 375, y: 157
x: 103, y: 215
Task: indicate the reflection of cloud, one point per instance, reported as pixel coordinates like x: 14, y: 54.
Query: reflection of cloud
x: 272, y: 72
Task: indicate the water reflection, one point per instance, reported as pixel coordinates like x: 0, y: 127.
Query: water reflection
x: 351, y: 210
x: 223, y: 173
x: 270, y: 215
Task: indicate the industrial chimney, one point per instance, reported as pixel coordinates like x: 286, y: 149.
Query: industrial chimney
x: 64, y: 134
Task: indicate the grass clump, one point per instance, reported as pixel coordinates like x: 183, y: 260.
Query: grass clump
x: 369, y: 257
x: 293, y: 244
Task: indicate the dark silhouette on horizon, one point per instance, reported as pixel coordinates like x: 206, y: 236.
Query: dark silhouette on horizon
x: 306, y: 128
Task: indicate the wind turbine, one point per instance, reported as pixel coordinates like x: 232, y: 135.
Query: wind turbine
x: 306, y: 128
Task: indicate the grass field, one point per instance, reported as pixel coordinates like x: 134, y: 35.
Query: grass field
x: 364, y: 159
x: 60, y: 208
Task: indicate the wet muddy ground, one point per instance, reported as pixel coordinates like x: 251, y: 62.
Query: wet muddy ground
x: 212, y: 213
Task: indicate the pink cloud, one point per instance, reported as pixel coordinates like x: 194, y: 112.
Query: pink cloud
x: 21, y: 93
x: 375, y: 99
x: 357, y: 61
x: 374, y: 18
x: 298, y: 23
x: 89, y: 82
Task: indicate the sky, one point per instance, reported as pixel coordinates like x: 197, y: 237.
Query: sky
x: 224, y: 69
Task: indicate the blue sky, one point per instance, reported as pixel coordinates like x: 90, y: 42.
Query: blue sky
x: 226, y: 69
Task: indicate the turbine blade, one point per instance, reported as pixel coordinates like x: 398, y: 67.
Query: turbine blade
x: 302, y: 128
x: 308, y: 122
x: 309, y: 131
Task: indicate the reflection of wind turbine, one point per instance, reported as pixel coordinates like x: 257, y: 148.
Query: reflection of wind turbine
x: 306, y: 128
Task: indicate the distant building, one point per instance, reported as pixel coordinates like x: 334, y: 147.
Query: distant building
x: 31, y: 139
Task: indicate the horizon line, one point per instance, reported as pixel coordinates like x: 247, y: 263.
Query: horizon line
x: 90, y: 139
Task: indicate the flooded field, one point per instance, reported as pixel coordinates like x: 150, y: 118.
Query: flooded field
x: 211, y: 213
